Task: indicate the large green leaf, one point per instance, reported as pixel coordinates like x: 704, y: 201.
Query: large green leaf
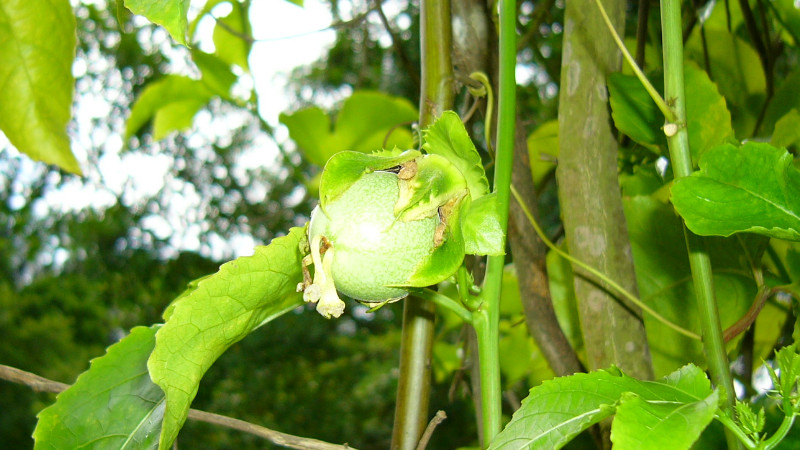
x: 448, y: 137
x: 557, y: 410
x: 171, y: 103
x: 112, y: 405
x: 216, y: 73
x: 37, y: 47
x: 368, y: 121
x: 169, y: 14
x: 665, y: 281
x: 753, y: 188
x: 221, y: 310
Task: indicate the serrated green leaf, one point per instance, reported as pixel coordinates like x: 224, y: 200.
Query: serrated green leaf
x: 220, y: 311
x: 447, y: 137
x: 559, y: 409
x: 345, y: 168
x: 112, y: 405
x: 171, y: 102
x: 232, y: 37
x: 37, y: 47
x: 480, y: 227
x: 368, y: 121
x: 753, y: 188
x: 217, y: 75
x: 644, y: 425
x: 434, y: 183
x: 169, y: 14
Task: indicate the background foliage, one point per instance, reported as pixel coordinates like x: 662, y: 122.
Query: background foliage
x: 85, y: 259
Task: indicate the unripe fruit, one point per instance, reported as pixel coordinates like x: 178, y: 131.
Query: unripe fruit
x: 372, y: 250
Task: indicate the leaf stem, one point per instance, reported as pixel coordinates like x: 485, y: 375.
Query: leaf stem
x: 662, y: 105
x: 486, y: 319
x: 681, y: 159
x: 445, y: 302
x: 733, y: 427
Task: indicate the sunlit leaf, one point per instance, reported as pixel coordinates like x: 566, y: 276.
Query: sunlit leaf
x: 368, y: 121
x: 169, y: 14
x: 736, y: 69
x: 643, y: 425
x: 448, y: 137
x: 216, y: 73
x: 787, y: 130
x: 170, y: 102
x: 112, y: 405
x: 232, y: 37
x: 753, y: 188
x: 37, y: 47
x: 220, y: 311
x: 345, y: 168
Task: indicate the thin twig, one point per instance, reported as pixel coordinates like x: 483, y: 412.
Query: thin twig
x: 426, y: 436
x: 41, y: 384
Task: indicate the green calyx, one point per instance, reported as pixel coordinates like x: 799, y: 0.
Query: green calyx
x: 393, y: 220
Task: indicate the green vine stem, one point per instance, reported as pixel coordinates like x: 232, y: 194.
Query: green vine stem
x: 436, y: 95
x: 681, y: 160
x: 486, y: 318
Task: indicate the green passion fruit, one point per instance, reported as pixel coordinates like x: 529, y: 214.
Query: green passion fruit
x: 360, y: 248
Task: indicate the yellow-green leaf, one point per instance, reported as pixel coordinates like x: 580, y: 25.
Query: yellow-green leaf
x: 37, y: 47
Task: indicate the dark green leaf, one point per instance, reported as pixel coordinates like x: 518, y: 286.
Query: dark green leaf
x: 169, y: 14
x: 784, y: 100
x: 664, y: 280
x: 112, y: 405
x: 345, y: 168
x: 447, y: 137
x: 220, y: 311
x: 753, y: 188
x: 37, y: 47
x: 170, y: 102
x: 635, y: 113
x: 481, y: 228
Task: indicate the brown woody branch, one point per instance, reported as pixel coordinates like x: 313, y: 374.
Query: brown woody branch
x: 41, y: 384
